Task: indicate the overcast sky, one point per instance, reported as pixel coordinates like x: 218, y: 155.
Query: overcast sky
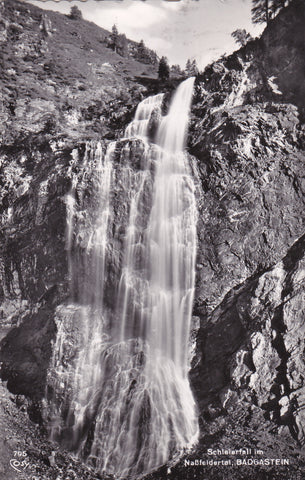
x: 180, y: 29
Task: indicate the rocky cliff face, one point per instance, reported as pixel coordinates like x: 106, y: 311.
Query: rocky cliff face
x: 248, y: 139
x: 61, y: 86
x: 247, y: 142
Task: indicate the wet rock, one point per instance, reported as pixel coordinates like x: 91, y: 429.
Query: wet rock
x: 25, y: 355
x: 284, y: 404
x: 241, y: 368
x: 154, y: 123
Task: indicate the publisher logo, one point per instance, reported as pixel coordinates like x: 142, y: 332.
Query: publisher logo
x: 19, y: 465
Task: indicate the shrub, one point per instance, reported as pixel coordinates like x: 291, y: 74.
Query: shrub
x: 75, y: 13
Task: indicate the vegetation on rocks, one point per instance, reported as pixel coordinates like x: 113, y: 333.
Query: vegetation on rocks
x: 264, y: 10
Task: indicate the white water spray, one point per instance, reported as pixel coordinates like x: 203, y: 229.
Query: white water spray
x: 128, y: 406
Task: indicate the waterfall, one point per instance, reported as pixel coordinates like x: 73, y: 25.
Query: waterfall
x: 139, y: 126
x: 122, y: 400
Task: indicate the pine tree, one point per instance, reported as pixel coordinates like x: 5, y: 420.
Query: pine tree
x: 75, y: 13
x: 188, y: 66
x: 163, y: 71
x: 176, y: 70
x: 141, y: 52
x: 141, y: 46
x: 146, y: 55
x: 114, y: 38
x: 195, y: 69
x: 241, y: 36
x: 261, y: 12
x: 278, y: 5
x: 191, y: 68
x: 264, y: 10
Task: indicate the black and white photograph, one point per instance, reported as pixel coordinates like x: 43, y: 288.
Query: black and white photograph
x: 152, y: 240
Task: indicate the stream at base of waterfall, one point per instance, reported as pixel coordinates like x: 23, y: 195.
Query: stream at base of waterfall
x: 118, y: 393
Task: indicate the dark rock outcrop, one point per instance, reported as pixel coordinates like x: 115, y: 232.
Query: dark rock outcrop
x: 252, y: 179
x: 251, y: 346
x: 247, y: 133
x: 26, y: 353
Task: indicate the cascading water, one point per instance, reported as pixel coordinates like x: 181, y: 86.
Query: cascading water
x: 122, y: 400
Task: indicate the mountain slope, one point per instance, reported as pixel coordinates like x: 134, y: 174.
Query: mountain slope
x: 59, y: 76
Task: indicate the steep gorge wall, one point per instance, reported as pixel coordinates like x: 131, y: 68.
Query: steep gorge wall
x: 247, y: 144
x: 33, y: 260
x: 248, y: 138
x: 247, y: 135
